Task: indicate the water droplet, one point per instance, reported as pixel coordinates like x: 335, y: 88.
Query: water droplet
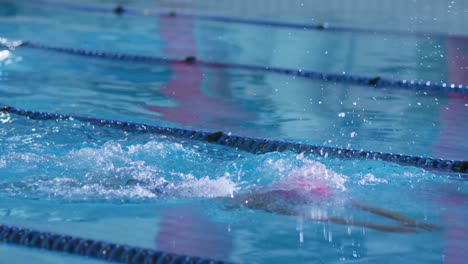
x: 4, y: 54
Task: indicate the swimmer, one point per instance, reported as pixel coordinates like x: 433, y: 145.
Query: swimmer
x: 305, y: 190
x: 278, y: 201
x: 302, y: 188
x: 119, y: 9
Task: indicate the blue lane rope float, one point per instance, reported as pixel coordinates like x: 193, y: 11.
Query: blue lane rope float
x: 375, y: 81
x: 93, y: 248
x: 256, y: 145
x: 235, y: 20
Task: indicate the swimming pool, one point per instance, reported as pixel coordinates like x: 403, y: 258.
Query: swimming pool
x: 168, y: 192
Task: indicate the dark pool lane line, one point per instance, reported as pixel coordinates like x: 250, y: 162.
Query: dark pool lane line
x: 374, y: 81
x: 258, y: 145
x: 91, y: 248
x: 123, y: 10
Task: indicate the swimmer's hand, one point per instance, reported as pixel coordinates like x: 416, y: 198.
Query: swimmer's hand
x: 158, y: 190
x: 426, y: 226
x: 133, y: 182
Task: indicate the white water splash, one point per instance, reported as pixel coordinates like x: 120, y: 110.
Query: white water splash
x: 191, y: 186
x: 4, y: 54
x: 370, y: 179
x: 314, y: 173
x: 115, y: 170
x: 73, y: 189
x: 153, y: 169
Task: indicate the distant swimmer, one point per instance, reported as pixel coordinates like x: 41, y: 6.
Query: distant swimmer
x: 119, y: 9
x: 190, y: 60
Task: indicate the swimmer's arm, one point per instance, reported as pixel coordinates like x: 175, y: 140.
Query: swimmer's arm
x: 262, y: 202
x: 344, y: 221
x: 395, y: 216
x: 384, y: 228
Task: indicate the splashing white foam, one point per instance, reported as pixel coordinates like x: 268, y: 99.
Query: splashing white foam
x: 96, y: 173
x: 370, y: 179
x: 191, y: 186
x: 71, y: 188
x: 4, y: 54
x: 157, y: 168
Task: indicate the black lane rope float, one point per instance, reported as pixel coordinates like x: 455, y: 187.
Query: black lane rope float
x: 375, y: 81
x: 93, y: 248
x: 257, y: 145
x: 120, y: 10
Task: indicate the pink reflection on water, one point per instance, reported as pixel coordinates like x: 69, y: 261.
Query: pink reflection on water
x: 453, y: 132
x: 454, y: 115
x: 185, y: 230
x: 194, y: 107
x: 455, y: 219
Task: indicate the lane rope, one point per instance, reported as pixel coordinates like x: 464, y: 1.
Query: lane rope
x: 257, y: 145
x: 375, y: 81
x: 93, y: 248
x: 121, y: 10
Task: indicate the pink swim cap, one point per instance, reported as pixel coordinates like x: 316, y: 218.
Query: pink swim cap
x: 301, y: 192
x: 318, y: 189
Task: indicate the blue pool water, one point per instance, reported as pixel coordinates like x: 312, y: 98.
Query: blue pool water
x: 176, y: 195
